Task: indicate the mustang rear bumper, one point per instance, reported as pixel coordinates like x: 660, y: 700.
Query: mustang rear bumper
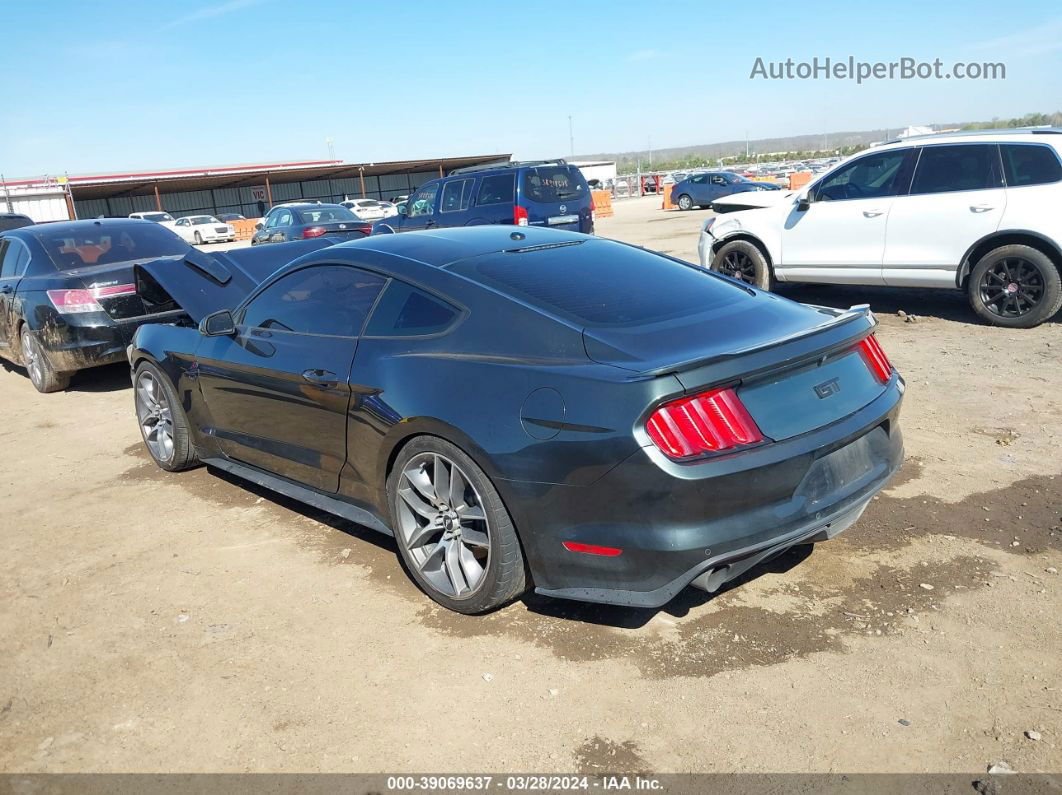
x: 708, y: 523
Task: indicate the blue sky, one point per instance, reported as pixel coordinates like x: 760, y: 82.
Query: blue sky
x: 105, y: 85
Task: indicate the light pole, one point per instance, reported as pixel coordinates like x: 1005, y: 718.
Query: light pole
x: 571, y: 137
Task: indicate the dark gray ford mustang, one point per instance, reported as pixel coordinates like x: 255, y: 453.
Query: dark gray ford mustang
x: 524, y: 408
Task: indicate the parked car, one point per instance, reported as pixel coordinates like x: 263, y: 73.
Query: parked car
x: 304, y: 220
x: 390, y: 210
x: 229, y: 217
x: 541, y: 193
x: 200, y: 229
x: 163, y: 219
x: 974, y: 212
x: 14, y: 221
x: 68, y: 300
x: 364, y: 209
x: 700, y: 190
x: 642, y: 425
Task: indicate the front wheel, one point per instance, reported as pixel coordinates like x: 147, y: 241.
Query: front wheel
x: 42, y: 375
x: 198, y: 239
x: 741, y: 260
x: 453, y: 532
x: 162, y: 421
x: 685, y: 202
x: 1015, y: 286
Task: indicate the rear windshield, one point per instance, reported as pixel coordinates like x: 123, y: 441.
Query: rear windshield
x: 601, y: 283
x: 327, y: 214
x: 103, y: 244
x: 14, y: 222
x: 553, y: 184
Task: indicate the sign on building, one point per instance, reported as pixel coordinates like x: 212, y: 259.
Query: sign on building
x: 258, y: 193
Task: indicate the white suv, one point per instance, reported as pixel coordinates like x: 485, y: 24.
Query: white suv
x: 980, y: 212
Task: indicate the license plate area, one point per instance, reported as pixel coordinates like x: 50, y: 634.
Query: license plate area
x: 846, y: 470
x: 562, y: 219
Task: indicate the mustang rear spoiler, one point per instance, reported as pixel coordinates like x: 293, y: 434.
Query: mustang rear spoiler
x: 845, y: 324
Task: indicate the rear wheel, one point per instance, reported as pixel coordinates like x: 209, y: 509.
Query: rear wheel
x: 42, y: 375
x: 162, y: 421
x: 1015, y: 286
x: 741, y: 260
x: 453, y: 532
x: 685, y: 202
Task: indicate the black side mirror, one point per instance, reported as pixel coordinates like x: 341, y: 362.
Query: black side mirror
x: 218, y: 324
x: 259, y: 226
x: 803, y: 202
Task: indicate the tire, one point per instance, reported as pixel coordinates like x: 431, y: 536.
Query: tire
x: 465, y: 563
x: 198, y: 239
x: 685, y: 202
x: 42, y: 375
x: 1015, y: 286
x: 162, y: 421
x: 740, y: 259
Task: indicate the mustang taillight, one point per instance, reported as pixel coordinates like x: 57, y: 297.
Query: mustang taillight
x: 72, y: 302
x: 876, y: 359
x: 313, y: 231
x: 707, y: 423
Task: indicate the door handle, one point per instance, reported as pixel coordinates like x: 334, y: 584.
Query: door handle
x: 429, y: 223
x: 325, y: 378
x: 7, y: 288
x: 981, y: 208
x: 872, y: 213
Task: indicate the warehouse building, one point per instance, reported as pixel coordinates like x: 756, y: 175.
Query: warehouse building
x: 249, y: 190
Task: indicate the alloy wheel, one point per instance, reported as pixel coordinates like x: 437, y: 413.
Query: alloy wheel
x: 443, y: 525
x: 739, y: 265
x: 155, y: 416
x: 31, y: 359
x: 1012, y: 287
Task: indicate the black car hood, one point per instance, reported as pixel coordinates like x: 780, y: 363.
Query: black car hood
x: 202, y: 283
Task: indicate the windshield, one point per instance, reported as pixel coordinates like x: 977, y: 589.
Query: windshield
x: 100, y: 244
x: 553, y: 184
x: 157, y: 217
x: 200, y: 220
x: 369, y: 203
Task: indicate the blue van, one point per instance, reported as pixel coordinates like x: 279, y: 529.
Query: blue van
x: 548, y: 193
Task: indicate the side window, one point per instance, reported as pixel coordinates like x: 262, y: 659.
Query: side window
x: 952, y: 168
x: 405, y: 311
x: 1030, y: 164
x: 499, y: 189
x: 320, y: 299
x: 718, y: 180
x: 423, y: 201
x: 8, y: 254
x: 700, y: 179
x: 284, y: 218
x: 23, y: 259
x: 456, y: 196
x: 868, y: 177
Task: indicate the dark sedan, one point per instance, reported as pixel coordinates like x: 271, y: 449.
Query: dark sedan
x: 700, y: 190
x: 67, y: 299
x: 528, y: 408
x: 308, y: 220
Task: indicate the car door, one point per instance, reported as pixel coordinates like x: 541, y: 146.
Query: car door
x: 454, y: 200
x: 9, y: 252
x: 183, y: 228
x: 717, y: 187
x: 494, y: 200
x: 420, y: 209
x: 840, y: 237
x: 957, y: 197
x: 697, y: 188
x: 277, y: 391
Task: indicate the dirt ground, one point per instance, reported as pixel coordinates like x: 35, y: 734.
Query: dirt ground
x: 155, y: 622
